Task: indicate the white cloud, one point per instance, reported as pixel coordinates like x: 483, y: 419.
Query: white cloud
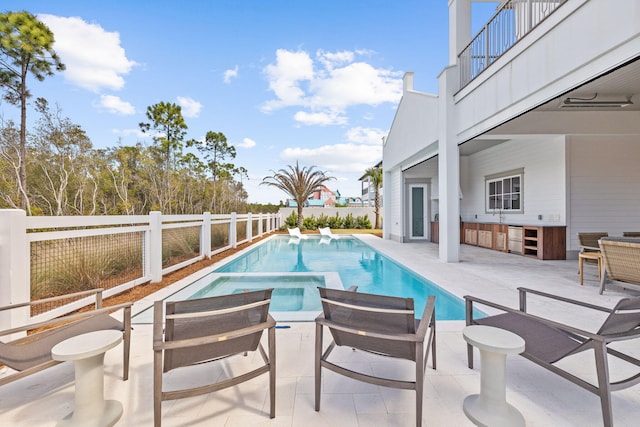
x: 329, y: 86
x: 115, y: 105
x: 370, y: 136
x: 321, y: 118
x: 285, y: 76
x: 126, y: 132
x: 93, y: 56
x: 230, y: 74
x: 344, y: 158
x: 247, y: 143
x: 190, y: 107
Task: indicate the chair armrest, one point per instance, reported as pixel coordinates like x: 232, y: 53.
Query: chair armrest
x: 96, y: 291
x: 589, y: 248
x: 372, y: 334
x: 524, y: 291
x: 210, y: 339
x: 428, y: 317
x: 69, y: 318
x: 548, y: 322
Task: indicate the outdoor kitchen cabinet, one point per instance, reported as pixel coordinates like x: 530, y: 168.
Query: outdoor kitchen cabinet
x: 542, y: 242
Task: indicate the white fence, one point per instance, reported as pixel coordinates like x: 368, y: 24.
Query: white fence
x: 29, y: 245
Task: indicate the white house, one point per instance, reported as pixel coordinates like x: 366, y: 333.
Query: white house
x: 536, y: 125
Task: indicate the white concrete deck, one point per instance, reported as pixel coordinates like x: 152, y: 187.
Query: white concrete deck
x: 543, y: 398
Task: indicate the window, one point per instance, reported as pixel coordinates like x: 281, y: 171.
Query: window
x: 504, y: 193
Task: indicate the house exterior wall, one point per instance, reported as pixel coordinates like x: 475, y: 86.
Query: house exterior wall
x: 559, y: 55
x: 543, y: 192
x: 604, y: 185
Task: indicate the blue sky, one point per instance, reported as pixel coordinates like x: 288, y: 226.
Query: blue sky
x: 312, y: 81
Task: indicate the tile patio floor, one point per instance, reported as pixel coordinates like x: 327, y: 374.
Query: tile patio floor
x: 543, y: 398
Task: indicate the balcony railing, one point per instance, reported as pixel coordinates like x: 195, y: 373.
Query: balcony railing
x: 512, y: 21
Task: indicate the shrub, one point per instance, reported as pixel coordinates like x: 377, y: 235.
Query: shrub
x: 322, y: 221
x: 349, y: 222
x: 363, y: 222
x: 292, y: 220
x: 309, y: 223
x: 334, y: 221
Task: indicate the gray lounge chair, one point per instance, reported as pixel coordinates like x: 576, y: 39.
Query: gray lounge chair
x: 208, y: 329
x: 32, y: 353
x: 548, y: 342
x: 381, y: 325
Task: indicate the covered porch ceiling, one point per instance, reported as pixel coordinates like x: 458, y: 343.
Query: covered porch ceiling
x: 606, y: 105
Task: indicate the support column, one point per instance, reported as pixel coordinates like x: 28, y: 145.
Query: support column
x: 448, y: 168
x: 459, y: 27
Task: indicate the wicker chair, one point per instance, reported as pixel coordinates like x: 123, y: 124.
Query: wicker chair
x: 381, y: 325
x: 621, y: 257
x: 631, y: 234
x: 208, y: 329
x: 32, y: 353
x: 548, y: 342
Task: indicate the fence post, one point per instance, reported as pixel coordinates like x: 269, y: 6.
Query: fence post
x: 269, y: 224
x: 15, y: 277
x: 260, y: 224
x: 233, y: 230
x: 249, y: 227
x: 154, y: 251
x: 205, y: 236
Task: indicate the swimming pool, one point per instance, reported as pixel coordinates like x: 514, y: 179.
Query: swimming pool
x: 355, y: 262
x: 299, y: 266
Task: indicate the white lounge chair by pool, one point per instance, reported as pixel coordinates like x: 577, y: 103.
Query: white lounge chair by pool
x: 326, y: 232
x: 295, y: 232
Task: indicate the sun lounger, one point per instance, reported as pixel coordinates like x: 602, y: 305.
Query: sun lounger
x: 295, y: 232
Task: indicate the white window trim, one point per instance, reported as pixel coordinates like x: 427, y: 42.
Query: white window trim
x: 519, y: 173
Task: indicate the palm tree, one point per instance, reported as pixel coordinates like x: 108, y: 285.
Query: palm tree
x: 299, y: 183
x: 375, y: 179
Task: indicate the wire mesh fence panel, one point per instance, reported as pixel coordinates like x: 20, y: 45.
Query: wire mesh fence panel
x: 68, y: 265
x: 219, y: 236
x: 180, y: 244
x: 254, y: 228
x: 241, y: 231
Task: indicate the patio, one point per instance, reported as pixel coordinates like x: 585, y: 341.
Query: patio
x: 542, y: 397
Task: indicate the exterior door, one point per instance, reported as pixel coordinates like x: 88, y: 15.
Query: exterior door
x: 418, y: 221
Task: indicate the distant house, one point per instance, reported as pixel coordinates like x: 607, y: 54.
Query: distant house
x: 322, y: 198
x: 368, y: 190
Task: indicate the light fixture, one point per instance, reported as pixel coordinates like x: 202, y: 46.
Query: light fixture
x: 573, y: 102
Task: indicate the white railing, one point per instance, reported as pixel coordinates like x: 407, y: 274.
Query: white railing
x: 112, y: 252
x: 512, y: 21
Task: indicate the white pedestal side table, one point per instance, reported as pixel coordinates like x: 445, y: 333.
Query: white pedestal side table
x: 490, y: 408
x: 87, y: 352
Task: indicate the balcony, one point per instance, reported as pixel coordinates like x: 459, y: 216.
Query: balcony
x: 513, y: 20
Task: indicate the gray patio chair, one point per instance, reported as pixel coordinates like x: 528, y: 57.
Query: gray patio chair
x: 32, y: 353
x: 631, y: 234
x: 589, y: 241
x: 548, y: 342
x: 206, y: 330
x: 378, y: 324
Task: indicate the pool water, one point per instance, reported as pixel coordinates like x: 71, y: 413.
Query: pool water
x: 355, y: 262
x: 296, y: 268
